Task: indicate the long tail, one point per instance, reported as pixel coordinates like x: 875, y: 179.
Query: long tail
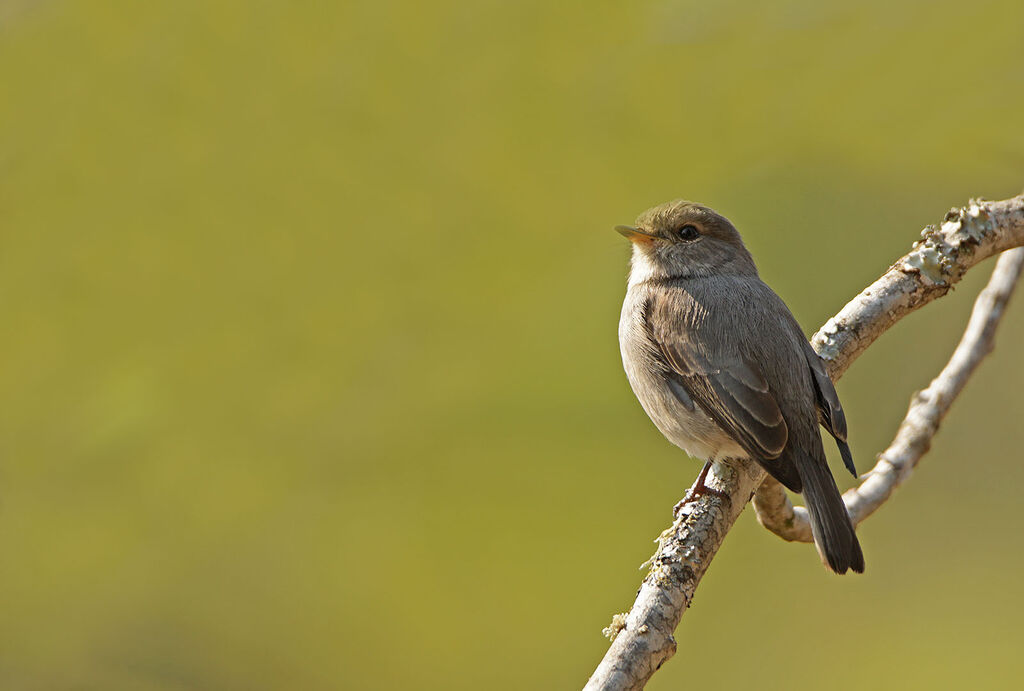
x: 833, y: 531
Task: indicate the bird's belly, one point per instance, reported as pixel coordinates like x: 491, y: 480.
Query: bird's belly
x: 692, y: 431
x: 686, y: 426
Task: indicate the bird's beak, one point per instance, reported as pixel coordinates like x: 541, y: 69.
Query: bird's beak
x: 636, y: 234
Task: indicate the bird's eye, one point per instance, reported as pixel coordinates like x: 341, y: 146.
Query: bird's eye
x: 688, y: 233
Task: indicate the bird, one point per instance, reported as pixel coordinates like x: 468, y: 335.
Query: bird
x: 722, y: 368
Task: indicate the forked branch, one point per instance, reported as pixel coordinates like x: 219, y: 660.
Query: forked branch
x: 774, y: 509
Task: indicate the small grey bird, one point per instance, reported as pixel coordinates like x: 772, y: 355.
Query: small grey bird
x: 722, y: 368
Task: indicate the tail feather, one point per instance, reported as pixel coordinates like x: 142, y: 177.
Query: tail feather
x: 833, y: 531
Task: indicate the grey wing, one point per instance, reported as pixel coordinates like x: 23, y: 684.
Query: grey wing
x: 732, y: 391
x: 831, y: 410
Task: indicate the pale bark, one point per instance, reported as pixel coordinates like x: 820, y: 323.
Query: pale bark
x: 642, y: 640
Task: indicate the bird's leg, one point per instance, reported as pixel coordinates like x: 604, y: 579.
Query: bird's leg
x: 699, y: 489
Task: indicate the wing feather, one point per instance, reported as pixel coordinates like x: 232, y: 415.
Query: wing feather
x: 731, y: 390
x: 829, y: 408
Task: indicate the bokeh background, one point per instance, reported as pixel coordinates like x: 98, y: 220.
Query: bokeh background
x: 309, y: 375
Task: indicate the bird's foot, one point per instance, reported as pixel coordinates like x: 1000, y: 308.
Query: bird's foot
x: 698, y: 490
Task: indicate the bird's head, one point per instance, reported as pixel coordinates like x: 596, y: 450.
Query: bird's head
x: 683, y: 239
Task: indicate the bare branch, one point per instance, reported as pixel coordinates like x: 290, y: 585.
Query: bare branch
x: 774, y: 510
x: 685, y: 550
x: 938, y: 261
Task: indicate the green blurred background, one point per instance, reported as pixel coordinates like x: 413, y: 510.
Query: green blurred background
x: 309, y: 374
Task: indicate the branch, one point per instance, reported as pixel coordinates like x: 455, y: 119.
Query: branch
x: 642, y: 640
x: 774, y: 510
